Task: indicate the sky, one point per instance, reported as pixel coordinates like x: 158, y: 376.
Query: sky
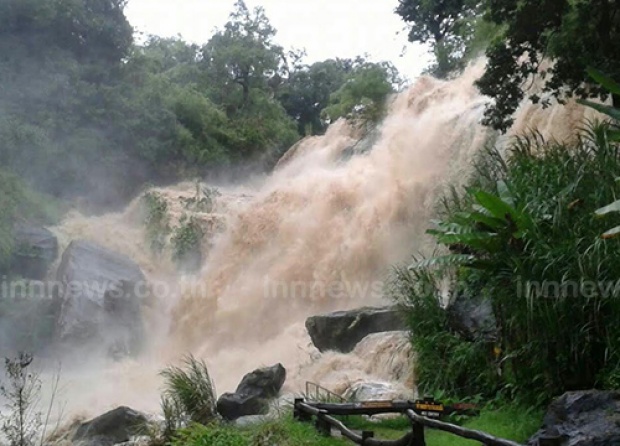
x: 325, y: 28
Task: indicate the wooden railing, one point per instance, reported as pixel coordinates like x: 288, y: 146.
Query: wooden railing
x: 422, y: 414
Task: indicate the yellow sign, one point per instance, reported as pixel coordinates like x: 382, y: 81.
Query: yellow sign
x: 429, y: 407
x: 377, y: 405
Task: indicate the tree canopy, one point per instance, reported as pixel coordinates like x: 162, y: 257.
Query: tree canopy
x: 572, y: 35
x: 85, y: 111
x: 552, y: 40
x: 445, y: 25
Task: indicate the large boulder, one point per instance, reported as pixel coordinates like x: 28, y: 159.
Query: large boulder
x: 584, y: 418
x: 114, y: 427
x: 253, y: 393
x: 472, y: 318
x: 341, y: 331
x: 35, y: 250
x: 101, y: 299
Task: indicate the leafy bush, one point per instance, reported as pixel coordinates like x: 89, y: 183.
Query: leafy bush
x: 186, y: 242
x: 445, y: 362
x: 156, y: 220
x: 525, y: 236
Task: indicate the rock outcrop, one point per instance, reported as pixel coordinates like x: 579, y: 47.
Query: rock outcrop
x: 343, y: 330
x: 101, y: 299
x: 253, y: 393
x: 584, y: 418
x: 35, y: 250
x: 472, y: 318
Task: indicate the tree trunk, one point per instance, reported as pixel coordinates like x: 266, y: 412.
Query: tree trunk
x: 246, y: 93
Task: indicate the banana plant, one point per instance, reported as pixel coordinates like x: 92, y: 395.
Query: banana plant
x: 493, y: 224
x: 610, y: 209
x: 613, y: 134
x: 614, y: 88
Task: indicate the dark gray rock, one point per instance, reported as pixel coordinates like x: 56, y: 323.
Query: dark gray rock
x: 232, y: 406
x: 342, y: 330
x: 101, y: 300
x: 35, y: 250
x: 253, y: 393
x: 584, y: 418
x: 472, y: 318
x: 266, y: 382
x: 114, y: 427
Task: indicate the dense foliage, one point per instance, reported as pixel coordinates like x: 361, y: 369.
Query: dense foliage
x: 553, y: 40
x: 526, y: 238
x: 445, y: 25
x: 87, y: 112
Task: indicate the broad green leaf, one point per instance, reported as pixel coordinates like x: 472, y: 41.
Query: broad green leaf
x: 601, y: 108
x: 451, y: 228
x: 495, y: 205
x: 604, y: 80
x: 479, y: 217
x: 612, y: 233
x: 481, y: 241
x: 613, y: 207
x: 444, y: 261
x: 504, y: 193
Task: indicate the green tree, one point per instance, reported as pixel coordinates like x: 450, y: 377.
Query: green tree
x: 243, y: 68
x: 308, y: 89
x: 242, y: 57
x: 571, y: 34
x: 445, y: 24
x: 362, y: 96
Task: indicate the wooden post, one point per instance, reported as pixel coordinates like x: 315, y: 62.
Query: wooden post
x: 366, y: 435
x: 418, y: 435
x: 299, y: 414
x: 555, y: 440
x: 323, y: 426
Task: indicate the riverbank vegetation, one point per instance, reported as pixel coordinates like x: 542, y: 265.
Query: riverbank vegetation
x: 525, y: 238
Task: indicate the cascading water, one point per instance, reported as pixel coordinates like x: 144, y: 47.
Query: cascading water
x: 320, y: 219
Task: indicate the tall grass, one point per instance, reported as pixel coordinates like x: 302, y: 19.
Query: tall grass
x: 189, y: 394
x: 526, y: 237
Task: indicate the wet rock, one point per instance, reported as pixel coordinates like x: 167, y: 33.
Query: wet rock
x: 472, y: 318
x: 377, y: 391
x: 343, y: 330
x: 101, y: 299
x: 253, y: 393
x: 35, y: 250
x: 265, y: 382
x: 114, y: 427
x: 584, y: 418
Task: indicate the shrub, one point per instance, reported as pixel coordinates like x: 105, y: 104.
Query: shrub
x: 525, y: 236
x: 21, y: 393
x: 156, y: 220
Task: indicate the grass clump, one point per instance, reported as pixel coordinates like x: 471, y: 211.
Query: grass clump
x: 511, y: 422
x: 189, y: 394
